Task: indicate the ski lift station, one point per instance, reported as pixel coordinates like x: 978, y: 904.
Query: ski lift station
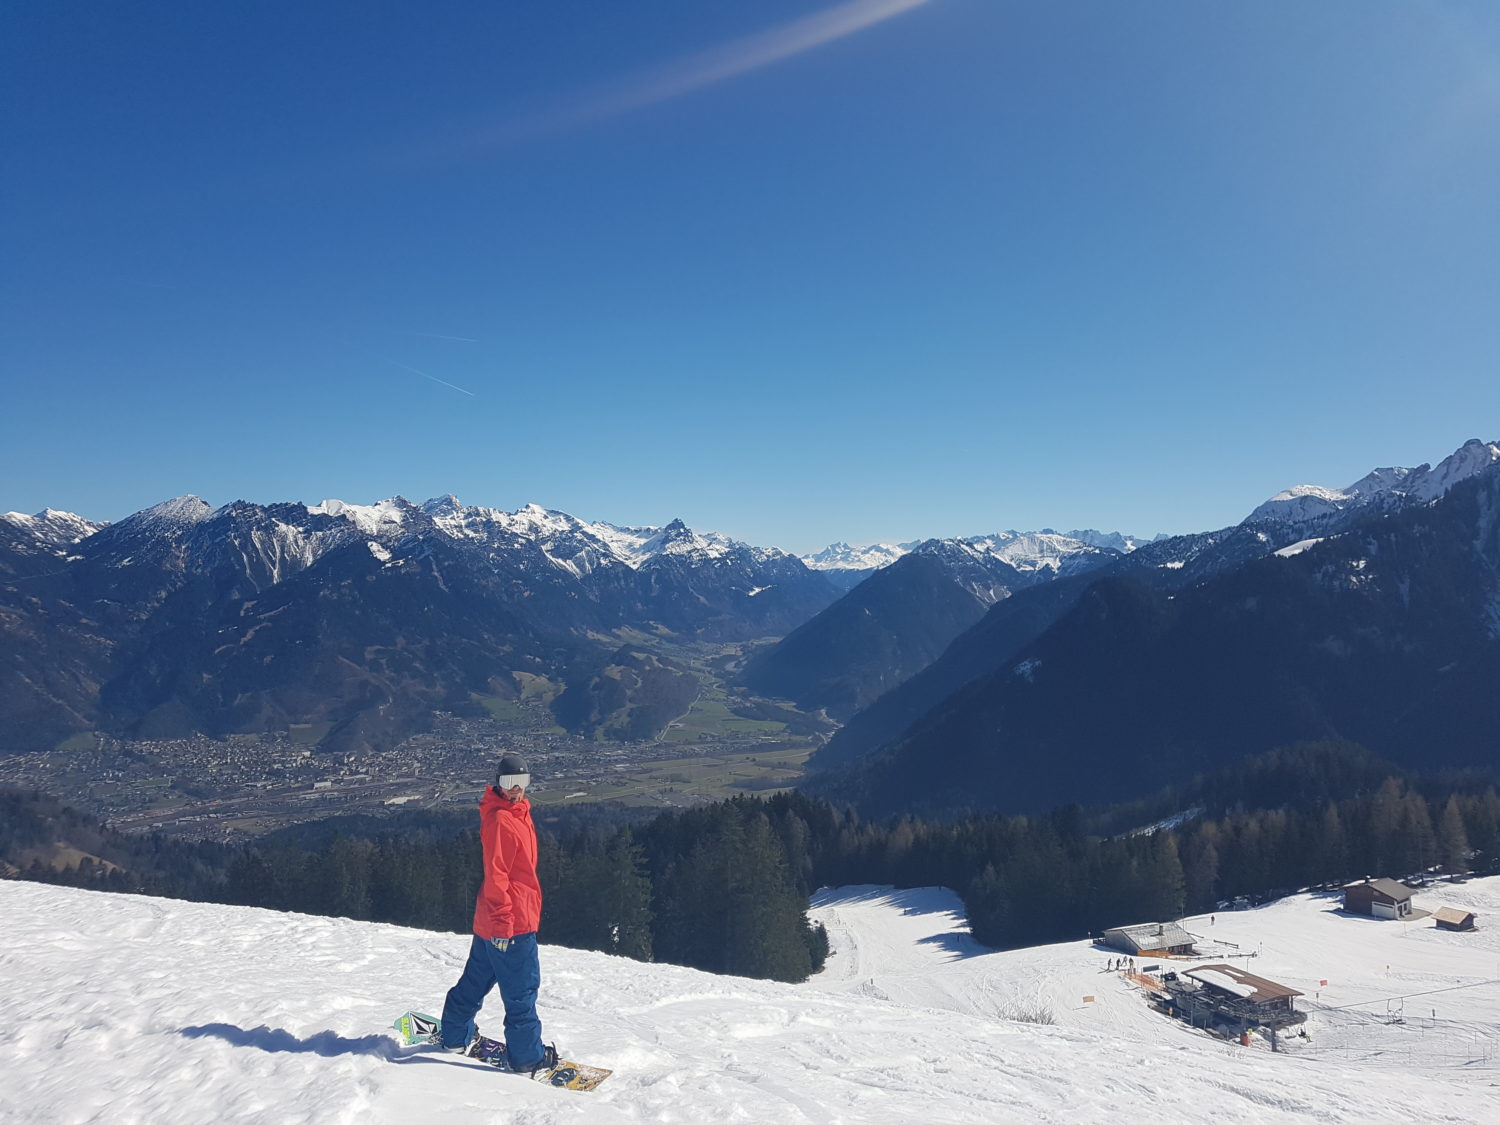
x: 1229, y: 1000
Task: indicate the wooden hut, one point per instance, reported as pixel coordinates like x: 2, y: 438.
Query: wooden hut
x: 1449, y: 918
x: 1150, y: 939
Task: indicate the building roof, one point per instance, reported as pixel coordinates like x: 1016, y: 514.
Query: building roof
x: 1153, y: 935
x: 1239, y: 983
x: 1452, y: 916
x: 1222, y: 981
x: 1388, y: 887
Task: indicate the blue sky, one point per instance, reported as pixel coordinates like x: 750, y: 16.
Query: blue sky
x: 793, y: 270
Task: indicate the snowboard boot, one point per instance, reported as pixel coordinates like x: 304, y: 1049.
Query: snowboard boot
x: 544, y: 1066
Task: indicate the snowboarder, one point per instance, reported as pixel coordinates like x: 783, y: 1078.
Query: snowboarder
x: 506, y: 915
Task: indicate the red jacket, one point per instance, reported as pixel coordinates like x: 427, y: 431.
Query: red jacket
x: 510, y: 900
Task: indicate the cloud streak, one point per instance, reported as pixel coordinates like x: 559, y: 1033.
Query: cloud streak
x: 700, y: 70
x: 434, y: 378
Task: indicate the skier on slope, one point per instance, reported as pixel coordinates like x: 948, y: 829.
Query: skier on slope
x: 506, y: 915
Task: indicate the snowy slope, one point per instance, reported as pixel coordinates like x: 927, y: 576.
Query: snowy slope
x: 129, y: 1009
x: 913, y: 947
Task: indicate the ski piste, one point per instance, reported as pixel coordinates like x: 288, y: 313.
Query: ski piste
x: 418, y: 1028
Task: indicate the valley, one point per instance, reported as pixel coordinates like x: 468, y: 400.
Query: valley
x: 245, y: 785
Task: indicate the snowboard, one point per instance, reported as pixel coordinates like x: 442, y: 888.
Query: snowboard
x: 418, y: 1028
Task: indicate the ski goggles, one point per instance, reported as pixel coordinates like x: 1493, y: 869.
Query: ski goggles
x: 511, y: 780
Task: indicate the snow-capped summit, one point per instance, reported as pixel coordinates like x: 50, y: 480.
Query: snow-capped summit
x: 1032, y: 550
x: 180, y: 511
x: 383, y: 518
x: 444, y: 505
x: 53, y: 528
x: 1473, y: 457
x: 1307, y: 503
x: 577, y: 545
x: 1106, y: 540
x: 841, y: 556
x: 680, y: 540
x: 1023, y: 550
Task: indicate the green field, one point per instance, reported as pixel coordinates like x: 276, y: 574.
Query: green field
x: 713, y: 777
x: 308, y: 734
x: 710, y: 718
x: 503, y: 710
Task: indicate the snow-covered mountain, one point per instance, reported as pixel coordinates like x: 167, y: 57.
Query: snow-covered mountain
x: 33, y: 544
x: 1106, y: 540
x: 578, y: 545
x: 245, y: 618
x: 273, y: 542
x: 1058, y: 552
x: 1391, y: 487
x: 1030, y: 551
x: 49, y: 526
x: 841, y: 556
x: 128, y: 1008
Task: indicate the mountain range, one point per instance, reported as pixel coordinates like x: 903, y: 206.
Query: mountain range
x: 359, y: 622
x: 365, y: 619
x: 1372, y: 614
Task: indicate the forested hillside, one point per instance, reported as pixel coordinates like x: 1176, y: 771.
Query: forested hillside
x: 725, y: 887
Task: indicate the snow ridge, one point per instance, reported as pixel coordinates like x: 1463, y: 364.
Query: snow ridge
x: 1308, y: 503
x: 1026, y: 551
x: 53, y: 528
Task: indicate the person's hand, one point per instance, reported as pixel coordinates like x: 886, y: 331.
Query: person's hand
x: 500, y: 943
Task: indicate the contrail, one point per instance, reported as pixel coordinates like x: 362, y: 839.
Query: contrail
x: 706, y: 68
x: 440, y: 336
x: 434, y: 378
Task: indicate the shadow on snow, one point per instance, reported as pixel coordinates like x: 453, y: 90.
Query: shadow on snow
x: 277, y: 1041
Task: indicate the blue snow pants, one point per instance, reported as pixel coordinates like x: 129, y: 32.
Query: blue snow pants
x: 519, y: 975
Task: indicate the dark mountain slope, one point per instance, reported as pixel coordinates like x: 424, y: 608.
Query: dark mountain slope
x: 902, y: 617
x: 890, y: 626
x: 1388, y: 635
x: 991, y: 644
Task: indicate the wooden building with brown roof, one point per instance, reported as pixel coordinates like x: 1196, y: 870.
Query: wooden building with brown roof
x: 1451, y: 918
x: 1224, y: 998
x: 1378, y: 898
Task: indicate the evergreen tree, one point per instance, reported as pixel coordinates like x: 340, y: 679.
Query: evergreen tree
x: 991, y: 910
x: 1201, y: 869
x: 731, y: 906
x: 1382, y: 852
x: 1416, y: 842
x: 630, y: 897
x: 1482, y: 826
x: 1453, y: 841
x: 345, y: 882
x: 1333, y: 845
x: 1161, y: 881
